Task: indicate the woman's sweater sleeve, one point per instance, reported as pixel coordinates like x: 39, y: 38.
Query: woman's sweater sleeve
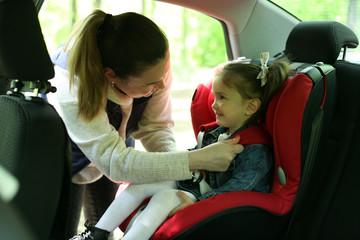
x: 103, y: 146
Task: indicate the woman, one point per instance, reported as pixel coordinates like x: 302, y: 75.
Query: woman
x: 113, y: 80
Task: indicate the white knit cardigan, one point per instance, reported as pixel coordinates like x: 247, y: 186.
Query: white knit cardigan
x: 103, y: 146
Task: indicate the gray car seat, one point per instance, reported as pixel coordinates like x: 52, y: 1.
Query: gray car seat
x: 34, y: 144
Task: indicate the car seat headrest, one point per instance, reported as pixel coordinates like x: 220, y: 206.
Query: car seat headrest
x: 319, y: 41
x: 23, y: 52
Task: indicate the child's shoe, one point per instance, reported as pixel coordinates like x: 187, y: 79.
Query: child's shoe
x: 92, y: 233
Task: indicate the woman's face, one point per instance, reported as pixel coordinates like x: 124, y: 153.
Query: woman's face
x: 147, y: 83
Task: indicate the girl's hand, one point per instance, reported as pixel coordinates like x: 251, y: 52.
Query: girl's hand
x: 187, y: 201
x: 215, y: 157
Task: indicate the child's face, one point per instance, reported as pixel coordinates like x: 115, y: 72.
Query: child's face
x: 229, y: 106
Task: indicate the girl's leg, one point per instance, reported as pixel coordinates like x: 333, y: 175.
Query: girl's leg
x: 160, y: 205
x: 128, y: 201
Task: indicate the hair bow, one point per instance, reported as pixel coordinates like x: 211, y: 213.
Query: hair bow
x: 264, y: 57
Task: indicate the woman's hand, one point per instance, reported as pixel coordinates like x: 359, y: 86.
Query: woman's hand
x: 187, y: 201
x: 215, y: 157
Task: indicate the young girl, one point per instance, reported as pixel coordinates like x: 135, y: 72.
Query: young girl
x: 242, y: 92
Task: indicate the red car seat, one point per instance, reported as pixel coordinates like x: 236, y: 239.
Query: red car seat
x: 243, y: 213
x: 254, y: 215
x: 299, y: 120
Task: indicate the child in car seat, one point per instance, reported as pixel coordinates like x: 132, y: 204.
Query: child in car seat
x: 242, y: 92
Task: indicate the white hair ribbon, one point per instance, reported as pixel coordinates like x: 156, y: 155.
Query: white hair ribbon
x: 264, y: 57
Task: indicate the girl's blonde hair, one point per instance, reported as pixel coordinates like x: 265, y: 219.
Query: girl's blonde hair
x: 243, y: 77
x: 128, y: 43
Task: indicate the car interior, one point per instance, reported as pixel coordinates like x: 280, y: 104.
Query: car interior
x: 313, y: 120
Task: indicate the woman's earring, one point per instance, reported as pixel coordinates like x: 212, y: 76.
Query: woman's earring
x: 246, y: 114
x: 112, y: 84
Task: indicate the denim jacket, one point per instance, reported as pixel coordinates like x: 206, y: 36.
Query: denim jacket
x: 251, y: 170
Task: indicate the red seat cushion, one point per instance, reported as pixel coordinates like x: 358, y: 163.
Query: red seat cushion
x: 284, y: 123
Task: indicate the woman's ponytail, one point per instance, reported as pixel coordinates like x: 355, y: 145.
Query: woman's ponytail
x: 85, y: 66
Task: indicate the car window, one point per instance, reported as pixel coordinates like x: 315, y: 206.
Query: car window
x: 346, y: 12
x: 194, y: 52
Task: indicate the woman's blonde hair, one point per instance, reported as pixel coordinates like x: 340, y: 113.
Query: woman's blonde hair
x: 128, y: 43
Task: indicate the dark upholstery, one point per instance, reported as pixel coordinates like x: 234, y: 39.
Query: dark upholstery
x: 32, y: 148
x: 343, y: 176
x: 319, y: 41
x: 34, y: 144
x: 12, y: 224
x: 330, y: 207
x: 329, y: 204
x: 19, y: 26
x: 4, y: 85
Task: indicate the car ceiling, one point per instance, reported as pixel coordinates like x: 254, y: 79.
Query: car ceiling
x: 251, y: 26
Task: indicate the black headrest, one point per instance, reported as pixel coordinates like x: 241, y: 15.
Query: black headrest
x: 319, y: 41
x: 23, y: 52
